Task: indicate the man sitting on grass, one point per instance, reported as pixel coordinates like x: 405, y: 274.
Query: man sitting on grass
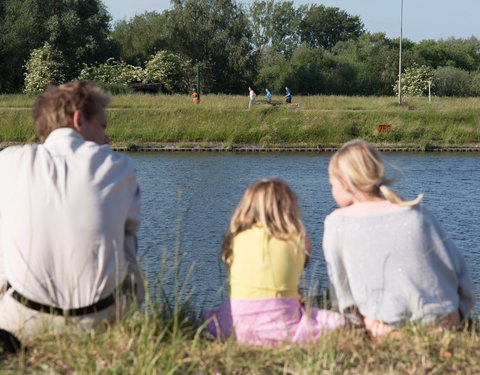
x: 69, y: 212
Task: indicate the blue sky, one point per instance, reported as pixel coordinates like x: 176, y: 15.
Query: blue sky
x: 422, y: 19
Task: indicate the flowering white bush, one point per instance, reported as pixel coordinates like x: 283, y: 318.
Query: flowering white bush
x: 112, y: 71
x: 45, y: 66
x: 415, y: 81
x: 168, y: 69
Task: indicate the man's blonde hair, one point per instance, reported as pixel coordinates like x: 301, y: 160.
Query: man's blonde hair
x: 359, y: 165
x: 273, y: 205
x: 55, y: 107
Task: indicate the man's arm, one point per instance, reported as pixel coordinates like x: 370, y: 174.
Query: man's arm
x: 135, y: 277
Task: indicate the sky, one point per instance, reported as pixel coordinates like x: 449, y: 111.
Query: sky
x: 422, y: 19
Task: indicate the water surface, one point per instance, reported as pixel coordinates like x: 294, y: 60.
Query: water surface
x: 188, y: 198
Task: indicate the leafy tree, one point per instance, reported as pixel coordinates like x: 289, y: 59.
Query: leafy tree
x: 273, y: 70
x: 275, y: 24
x: 140, y: 37
x: 451, y: 52
x: 113, y: 72
x: 450, y: 81
x: 374, y: 60
x: 323, y: 27
x: 307, y: 71
x: 45, y: 66
x: 170, y: 70
x: 77, y: 28
x: 415, y: 81
x: 217, y: 35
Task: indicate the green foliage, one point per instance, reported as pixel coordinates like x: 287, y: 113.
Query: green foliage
x: 112, y: 72
x: 306, y: 74
x: 78, y: 29
x: 273, y: 69
x: 371, y: 63
x: 217, y: 35
x: 457, y: 53
x: 45, y: 66
x: 415, y: 81
x: 324, y: 27
x: 450, y: 81
x: 141, y: 36
x: 170, y: 70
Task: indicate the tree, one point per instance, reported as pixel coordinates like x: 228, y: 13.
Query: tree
x: 275, y: 24
x: 323, y: 27
x: 217, y: 35
x: 140, y: 37
x: 374, y: 60
x: 450, y: 81
x: 273, y: 70
x: 79, y: 29
x: 44, y: 67
x: 456, y: 53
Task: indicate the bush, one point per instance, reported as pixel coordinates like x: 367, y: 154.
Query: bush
x: 452, y: 81
x: 415, y: 81
x: 475, y: 83
x: 168, y: 69
x: 45, y: 66
x: 112, y: 72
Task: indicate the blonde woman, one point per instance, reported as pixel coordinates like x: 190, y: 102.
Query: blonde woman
x: 265, y: 250
x: 389, y: 260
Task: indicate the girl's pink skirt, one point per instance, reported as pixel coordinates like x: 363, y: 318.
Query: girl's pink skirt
x: 269, y: 321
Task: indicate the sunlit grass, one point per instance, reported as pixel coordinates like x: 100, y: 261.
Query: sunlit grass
x: 319, y: 121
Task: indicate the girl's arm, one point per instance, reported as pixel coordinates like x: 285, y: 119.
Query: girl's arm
x: 308, y: 248
x: 340, y: 292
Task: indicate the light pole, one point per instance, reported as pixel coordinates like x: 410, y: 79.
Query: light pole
x: 400, y: 55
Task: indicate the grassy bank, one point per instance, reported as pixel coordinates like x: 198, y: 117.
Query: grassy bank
x: 320, y: 121
x: 152, y: 344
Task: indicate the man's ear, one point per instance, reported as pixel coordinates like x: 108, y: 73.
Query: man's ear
x: 77, y: 121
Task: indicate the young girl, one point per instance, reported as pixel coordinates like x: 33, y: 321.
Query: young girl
x: 265, y: 250
x: 389, y: 260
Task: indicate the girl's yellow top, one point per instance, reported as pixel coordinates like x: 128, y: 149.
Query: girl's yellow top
x: 264, y: 267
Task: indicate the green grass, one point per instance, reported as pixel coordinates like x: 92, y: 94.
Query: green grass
x: 320, y: 121
x: 150, y: 344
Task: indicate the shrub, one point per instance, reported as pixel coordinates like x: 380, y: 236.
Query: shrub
x: 450, y: 81
x: 475, y: 83
x: 112, y: 72
x: 415, y: 81
x: 168, y: 69
x: 45, y: 66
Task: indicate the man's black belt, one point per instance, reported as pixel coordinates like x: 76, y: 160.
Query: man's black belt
x: 97, y: 306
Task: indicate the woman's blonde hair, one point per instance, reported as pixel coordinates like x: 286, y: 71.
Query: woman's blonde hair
x: 359, y: 165
x: 272, y: 204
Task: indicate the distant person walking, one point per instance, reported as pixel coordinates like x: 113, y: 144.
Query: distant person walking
x: 288, y: 95
x: 252, y: 96
x: 268, y: 98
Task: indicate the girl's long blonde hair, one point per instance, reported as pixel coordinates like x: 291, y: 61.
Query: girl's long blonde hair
x: 359, y: 165
x: 272, y: 204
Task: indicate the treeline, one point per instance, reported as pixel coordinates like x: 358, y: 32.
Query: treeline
x: 313, y: 49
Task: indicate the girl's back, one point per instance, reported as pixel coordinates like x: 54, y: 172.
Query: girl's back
x: 401, y: 266
x: 264, y: 266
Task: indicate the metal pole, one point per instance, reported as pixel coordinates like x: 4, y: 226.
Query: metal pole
x: 429, y: 91
x: 199, y: 69
x: 400, y: 56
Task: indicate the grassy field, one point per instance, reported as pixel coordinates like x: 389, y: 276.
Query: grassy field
x: 320, y: 121
x: 156, y: 344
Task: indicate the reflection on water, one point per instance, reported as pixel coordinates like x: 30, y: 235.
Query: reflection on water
x: 188, y: 198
